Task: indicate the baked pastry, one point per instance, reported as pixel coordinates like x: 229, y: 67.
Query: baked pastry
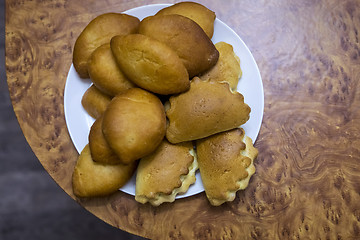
x: 94, y: 101
x: 226, y: 163
x: 227, y: 68
x: 98, y: 32
x: 207, y: 108
x: 105, y: 73
x: 196, y: 12
x: 92, y: 179
x: 163, y: 174
x: 99, y: 148
x: 150, y: 64
x: 185, y: 37
x: 134, y: 124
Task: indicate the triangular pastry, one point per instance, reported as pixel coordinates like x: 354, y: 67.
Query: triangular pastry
x: 207, y: 108
x: 227, y: 68
x: 168, y: 171
x: 226, y: 163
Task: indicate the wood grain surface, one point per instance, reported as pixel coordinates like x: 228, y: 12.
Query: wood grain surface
x: 307, y: 182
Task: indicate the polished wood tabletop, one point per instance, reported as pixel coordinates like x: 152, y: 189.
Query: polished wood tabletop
x: 307, y: 180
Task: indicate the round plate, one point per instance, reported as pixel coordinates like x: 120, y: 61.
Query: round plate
x: 250, y: 85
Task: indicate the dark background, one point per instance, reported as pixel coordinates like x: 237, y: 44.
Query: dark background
x: 32, y: 205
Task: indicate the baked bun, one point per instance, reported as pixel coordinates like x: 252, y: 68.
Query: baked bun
x: 92, y: 179
x: 185, y: 37
x: 99, y: 148
x: 226, y: 164
x: 105, y: 73
x: 207, y: 108
x: 95, y: 102
x: 163, y: 174
x: 134, y: 124
x: 98, y: 32
x: 196, y: 12
x: 150, y: 64
x: 227, y: 68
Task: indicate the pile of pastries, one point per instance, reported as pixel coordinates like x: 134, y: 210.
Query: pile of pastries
x: 165, y: 102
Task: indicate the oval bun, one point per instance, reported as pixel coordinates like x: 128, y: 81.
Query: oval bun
x: 98, y: 32
x: 200, y: 14
x: 134, y: 124
x: 92, y: 179
x: 185, y: 37
x: 105, y: 73
x: 150, y: 64
x: 99, y: 148
x: 95, y: 102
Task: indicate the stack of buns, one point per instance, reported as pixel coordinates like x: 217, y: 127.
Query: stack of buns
x: 165, y: 104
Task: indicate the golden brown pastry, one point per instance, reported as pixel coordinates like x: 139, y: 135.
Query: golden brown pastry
x: 226, y: 164
x: 150, y: 64
x: 227, y: 68
x: 168, y: 171
x: 92, y: 179
x: 185, y: 37
x: 99, y: 148
x: 95, y: 102
x: 98, y: 32
x: 134, y: 124
x: 196, y: 12
x: 105, y: 73
x: 207, y: 108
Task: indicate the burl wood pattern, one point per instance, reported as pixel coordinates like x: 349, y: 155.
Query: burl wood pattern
x: 307, y: 183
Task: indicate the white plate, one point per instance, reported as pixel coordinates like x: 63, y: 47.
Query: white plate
x: 250, y: 85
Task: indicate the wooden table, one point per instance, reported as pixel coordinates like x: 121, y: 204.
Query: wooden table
x: 307, y: 183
